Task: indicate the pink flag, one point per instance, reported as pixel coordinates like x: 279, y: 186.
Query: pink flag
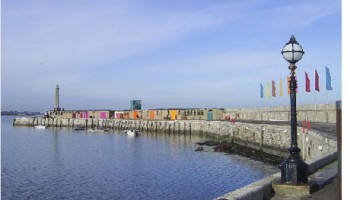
x: 317, y: 81
x: 307, y: 83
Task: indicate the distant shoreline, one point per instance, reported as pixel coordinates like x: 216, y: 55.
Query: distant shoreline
x: 20, y: 113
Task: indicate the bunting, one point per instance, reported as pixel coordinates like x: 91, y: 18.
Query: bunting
x: 261, y: 91
x: 307, y: 83
x: 281, y: 91
x: 271, y: 92
x: 273, y: 89
x: 317, y: 81
x: 267, y: 90
x: 328, y: 79
x: 288, y: 81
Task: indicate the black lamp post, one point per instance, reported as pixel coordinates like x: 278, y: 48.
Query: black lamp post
x: 293, y: 170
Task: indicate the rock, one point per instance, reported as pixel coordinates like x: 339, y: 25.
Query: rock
x: 224, y: 147
x: 199, y: 149
x: 208, y: 143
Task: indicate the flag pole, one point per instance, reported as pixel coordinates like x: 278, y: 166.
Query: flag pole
x: 326, y: 105
x: 260, y: 108
x: 317, y: 88
x: 315, y: 102
x: 261, y: 97
x: 327, y: 110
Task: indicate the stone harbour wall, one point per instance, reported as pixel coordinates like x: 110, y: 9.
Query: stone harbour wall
x: 314, y: 113
x: 272, y: 139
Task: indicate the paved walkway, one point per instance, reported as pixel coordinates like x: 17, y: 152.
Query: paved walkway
x: 328, y: 192
x: 326, y: 185
x: 326, y: 178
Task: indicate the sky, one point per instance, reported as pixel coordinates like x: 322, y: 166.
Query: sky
x: 169, y: 54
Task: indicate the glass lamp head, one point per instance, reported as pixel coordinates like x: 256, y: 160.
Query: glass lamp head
x: 292, y: 51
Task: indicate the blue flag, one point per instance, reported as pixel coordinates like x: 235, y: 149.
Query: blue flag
x: 261, y: 91
x: 328, y: 79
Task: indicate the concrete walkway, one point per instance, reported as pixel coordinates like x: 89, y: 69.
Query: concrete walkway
x: 325, y: 185
x: 325, y: 179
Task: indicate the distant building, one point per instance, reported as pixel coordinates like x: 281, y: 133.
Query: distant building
x: 81, y: 114
x: 135, y: 105
x: 136, y: 112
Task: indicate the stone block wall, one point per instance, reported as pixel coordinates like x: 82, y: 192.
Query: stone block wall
x: 272, y: 139
x: 314, y: 113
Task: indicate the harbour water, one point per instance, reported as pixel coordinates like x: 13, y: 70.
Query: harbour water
x: 60, y: 163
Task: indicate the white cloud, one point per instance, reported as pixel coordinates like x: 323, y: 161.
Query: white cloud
x: 298, y: 13
x: 81, y: 36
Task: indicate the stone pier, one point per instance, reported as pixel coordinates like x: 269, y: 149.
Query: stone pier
x: 269, y: 138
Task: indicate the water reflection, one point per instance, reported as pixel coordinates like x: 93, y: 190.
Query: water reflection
x: 62, y: 163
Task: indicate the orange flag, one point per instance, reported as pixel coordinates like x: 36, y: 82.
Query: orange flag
x: 273, y: 89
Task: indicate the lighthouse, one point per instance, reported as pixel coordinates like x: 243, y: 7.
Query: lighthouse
x: 57, y: 99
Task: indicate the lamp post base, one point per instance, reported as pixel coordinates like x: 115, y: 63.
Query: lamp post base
x: 281, y: 190
x: 294, y: 170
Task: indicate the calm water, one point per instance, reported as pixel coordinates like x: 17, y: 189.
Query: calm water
x: 60, y: 163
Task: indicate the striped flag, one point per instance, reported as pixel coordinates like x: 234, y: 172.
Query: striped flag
x: 328, y: 79
x: 281, y: 91
x: 317, y: 81
x: 307, y: 83
x: 261, y: 91
x: 273, y: 89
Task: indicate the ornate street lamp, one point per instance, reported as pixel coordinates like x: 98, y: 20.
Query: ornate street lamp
x: 293, y: 170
